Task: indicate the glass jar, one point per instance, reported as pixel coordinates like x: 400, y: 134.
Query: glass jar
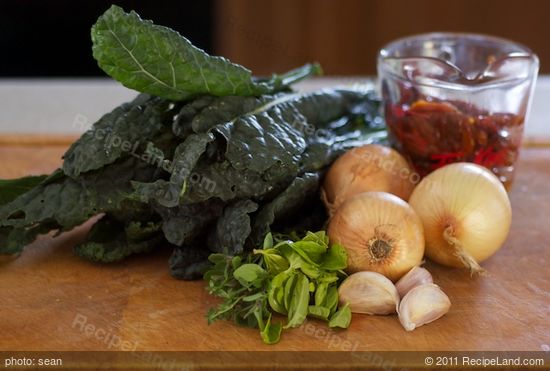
x: 452, y: 97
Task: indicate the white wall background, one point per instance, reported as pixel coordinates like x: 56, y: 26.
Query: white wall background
x: 59, y: 106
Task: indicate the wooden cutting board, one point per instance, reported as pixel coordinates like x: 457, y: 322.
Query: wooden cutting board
x: 53, y: 300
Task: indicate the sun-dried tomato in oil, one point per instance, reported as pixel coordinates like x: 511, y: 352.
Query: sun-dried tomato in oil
x: 433, y: 134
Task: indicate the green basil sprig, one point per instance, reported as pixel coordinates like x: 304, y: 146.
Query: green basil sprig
x: 297, y: 279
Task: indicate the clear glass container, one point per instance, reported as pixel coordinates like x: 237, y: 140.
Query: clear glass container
x: 452, y: 97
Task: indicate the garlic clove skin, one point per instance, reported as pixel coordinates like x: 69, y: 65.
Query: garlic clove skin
x: 415, y: 277
x: 422, y: 305
x: 369, y: 293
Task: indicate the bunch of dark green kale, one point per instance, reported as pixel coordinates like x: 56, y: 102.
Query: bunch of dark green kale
x: 206, y: 159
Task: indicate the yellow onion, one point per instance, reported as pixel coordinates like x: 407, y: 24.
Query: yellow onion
x: 380, y: 232
x: 466, y: 214
x: 368, y: 168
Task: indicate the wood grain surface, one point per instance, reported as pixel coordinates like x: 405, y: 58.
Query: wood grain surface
x: 53, y: 300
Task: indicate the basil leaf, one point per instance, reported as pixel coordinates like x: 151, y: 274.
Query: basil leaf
x: 289, y: 290
x: 335, y: 259
x: 293, y: 258
x: 320, y: 238
x: 310, y: 251
x: 318, y: 312
x: 297, y: 261
x: 275, y: 293
x: 159, y: 61
x: 216, y: 258
x: 310, y: 270
x: 331, y: 299
x: 342, y: 318
x: 254, y: 297
x: 328, y: 277
x: 297, y: 311
x: 250, y: 275
x: 274, y: 262
x: 236, y: 262
x: 268, y: 241
x: 271, y: 333
x: 321, y: 293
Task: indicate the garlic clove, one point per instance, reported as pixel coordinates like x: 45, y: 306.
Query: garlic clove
x: 369, y: 293
x: 415, y: 277
x: 422, y: 305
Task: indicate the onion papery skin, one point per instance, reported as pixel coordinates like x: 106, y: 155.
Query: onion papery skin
x: 470, y: 203
x: 380, y: 232
x: 369, y: 168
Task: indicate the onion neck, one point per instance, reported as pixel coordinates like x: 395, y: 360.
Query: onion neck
x: 465, y: 258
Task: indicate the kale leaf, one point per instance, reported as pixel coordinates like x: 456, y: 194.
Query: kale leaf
x: 187, y: 154
x: 182, y: 224
x: 188, y: 262
x: 117, y: 134
x: 288, y: 201
x: 110, y: 240
x: 261, y: 150
x: 14, y: 239
x: 11, y: 188
x: 276, y: 132
x: 203, y: 113
x: 70, y: 202
x: 233, y: 228
x: 159, y: 61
